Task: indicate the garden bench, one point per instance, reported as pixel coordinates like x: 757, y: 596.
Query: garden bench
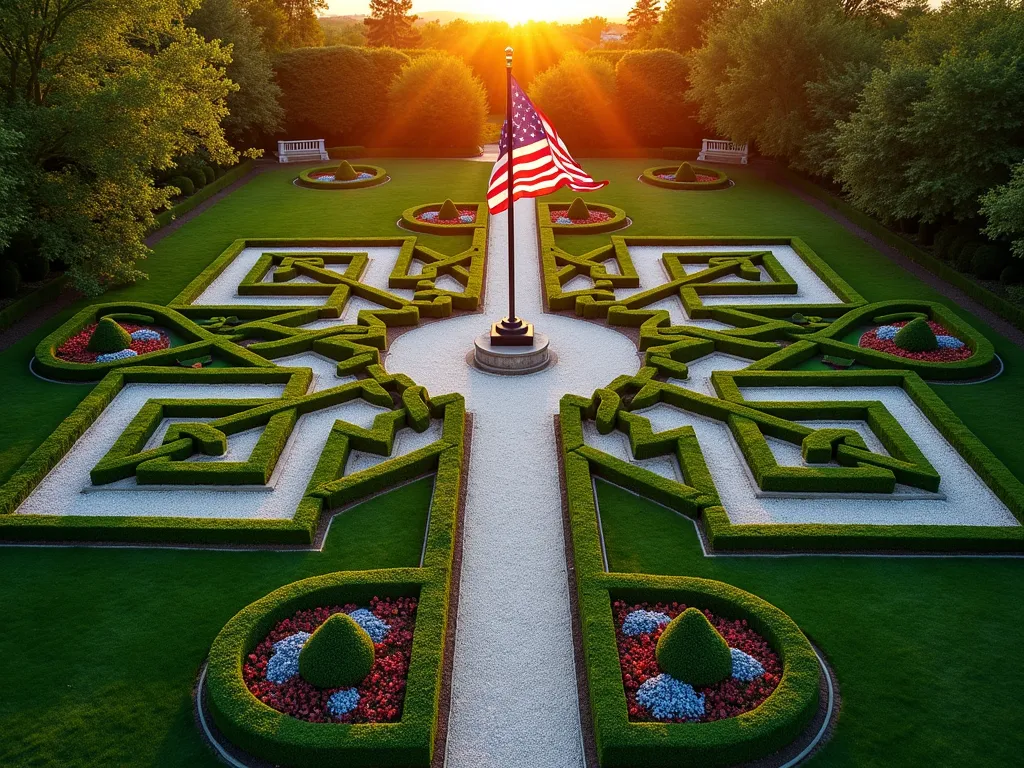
x: 302, y: 150
x: 720, y: 151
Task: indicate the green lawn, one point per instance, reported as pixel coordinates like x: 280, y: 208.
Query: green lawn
x: 923, y: 648
x: 100, y: 647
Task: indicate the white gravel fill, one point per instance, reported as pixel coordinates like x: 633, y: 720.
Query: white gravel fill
x: 514, y: 696
x: 224, y: 288
x: 967, y: 500
x: 616, y: 443
x: 67, y: 489
x: 407, y: 440
x: 811, y: 289
x: 325, y: 370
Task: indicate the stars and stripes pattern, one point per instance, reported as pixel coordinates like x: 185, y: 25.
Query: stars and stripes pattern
x: 542, y: 162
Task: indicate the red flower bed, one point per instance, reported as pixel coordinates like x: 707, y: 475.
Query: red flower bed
x: 435, y: 220
x: 728, y: 698
x: 700, y: 177
x: 596, y: 217
x: 381, y: 694
x: 76, y: 349
x: 871, y: 341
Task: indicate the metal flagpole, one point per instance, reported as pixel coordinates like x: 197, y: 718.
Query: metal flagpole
x: 511, y: 331
x: 510, y: 137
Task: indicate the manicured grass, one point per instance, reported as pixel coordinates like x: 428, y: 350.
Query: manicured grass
x: 269, y: 205
x: 757, y: 206
x: 921, y: 647
x: 100, y: 648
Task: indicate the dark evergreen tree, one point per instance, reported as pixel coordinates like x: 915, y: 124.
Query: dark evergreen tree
x: 390, y: 24
x: 643, y: 17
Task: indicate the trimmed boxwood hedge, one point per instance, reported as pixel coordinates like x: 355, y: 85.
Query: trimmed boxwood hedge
x: 306, y: 179
x: 650, y: 176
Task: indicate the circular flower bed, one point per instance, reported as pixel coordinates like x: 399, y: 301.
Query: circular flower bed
x: 144, y: 339
x: 271, y: 671
x: 466, y: 216
x: 706, y: 178
x: 701, y: 177
x: 558, y: 216
x: 323, y: 177
x: 652, y: 695
x: 950, y: 348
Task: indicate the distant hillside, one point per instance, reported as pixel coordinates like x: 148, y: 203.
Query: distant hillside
x: 444, y: 17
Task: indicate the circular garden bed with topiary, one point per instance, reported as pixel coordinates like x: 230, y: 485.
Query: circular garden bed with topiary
x: 449, y: 214
x: 917, y: 339
x: 589, y: 218
x: 344, y: 175
x: 109, y: 340
x: 337, y: 664
x: 686, y: 176
x: 681, y: 664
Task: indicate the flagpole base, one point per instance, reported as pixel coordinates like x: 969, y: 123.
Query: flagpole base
x: 512, y: 332
x: 511, y: 359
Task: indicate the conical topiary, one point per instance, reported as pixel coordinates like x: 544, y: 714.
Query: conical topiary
x: 685, y: 173
x: 578, y: 211
x: 691, y: 650
x: 345, y: 172
x: 109, y: 337
x: 448, y: 210
x: 916, y: 336
x: 338, y: 654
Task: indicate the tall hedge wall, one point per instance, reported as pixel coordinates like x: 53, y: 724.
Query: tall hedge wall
x: 336, y: 93
x: 651, y: 93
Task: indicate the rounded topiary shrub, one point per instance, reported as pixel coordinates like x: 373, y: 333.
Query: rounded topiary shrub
x: 988, y: 262
x: 685, y: 173
x: 916, y: 336
x: 338, y: 654
x: 184, y: 185
x: 448, y: 210
x: 436, y: 103
x: 10, y: 279
x: 1013, y: 273
x: 650, y: 88
x: 578, y: 211
x: 209, y: 173
x: 964, y: 259
x: 197, y: 176
x: 345, y: 172
x: 691, y: 650
x: 944, y: 238
x: 109, y: 337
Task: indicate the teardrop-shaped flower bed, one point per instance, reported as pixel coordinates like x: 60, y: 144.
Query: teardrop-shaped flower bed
x: 271, y: 671
x: 144, y: 339
x: 949, y: 349
x: 653, y: 696
x: 558, y: 216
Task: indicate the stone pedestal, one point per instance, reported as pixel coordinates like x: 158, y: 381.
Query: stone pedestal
x: 511, y: 360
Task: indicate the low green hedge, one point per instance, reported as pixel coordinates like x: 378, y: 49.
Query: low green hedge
x: 42, y: 296
x: 379, y: 176
x: 650, y: 176
x: 201, y: 196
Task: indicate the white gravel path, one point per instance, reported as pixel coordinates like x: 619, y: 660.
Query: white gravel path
x: 514, y: 695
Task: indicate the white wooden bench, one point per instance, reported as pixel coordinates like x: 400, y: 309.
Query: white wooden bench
x: 719, y: 151
x: 300, y: 151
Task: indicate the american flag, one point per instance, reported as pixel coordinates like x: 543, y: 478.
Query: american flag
x: 542, y: 162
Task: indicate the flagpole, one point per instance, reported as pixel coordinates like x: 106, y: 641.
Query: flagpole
x: 510, y: 137
x: 511, y: 331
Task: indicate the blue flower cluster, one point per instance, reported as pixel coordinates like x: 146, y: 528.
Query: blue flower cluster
x: 949, y: 342
x: 429, y: 215
x: 343, y: 702
x: 665, y: 697
x: 744, y: 666
x: 109, y: 357
x: 145, y: 334
x: 465, y: 218
x: 563, y: 220
x: 887, y: 332
x: 363, y: 175
x: 284, y: 664
x: 643, y: 622
x: 375, y: 628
